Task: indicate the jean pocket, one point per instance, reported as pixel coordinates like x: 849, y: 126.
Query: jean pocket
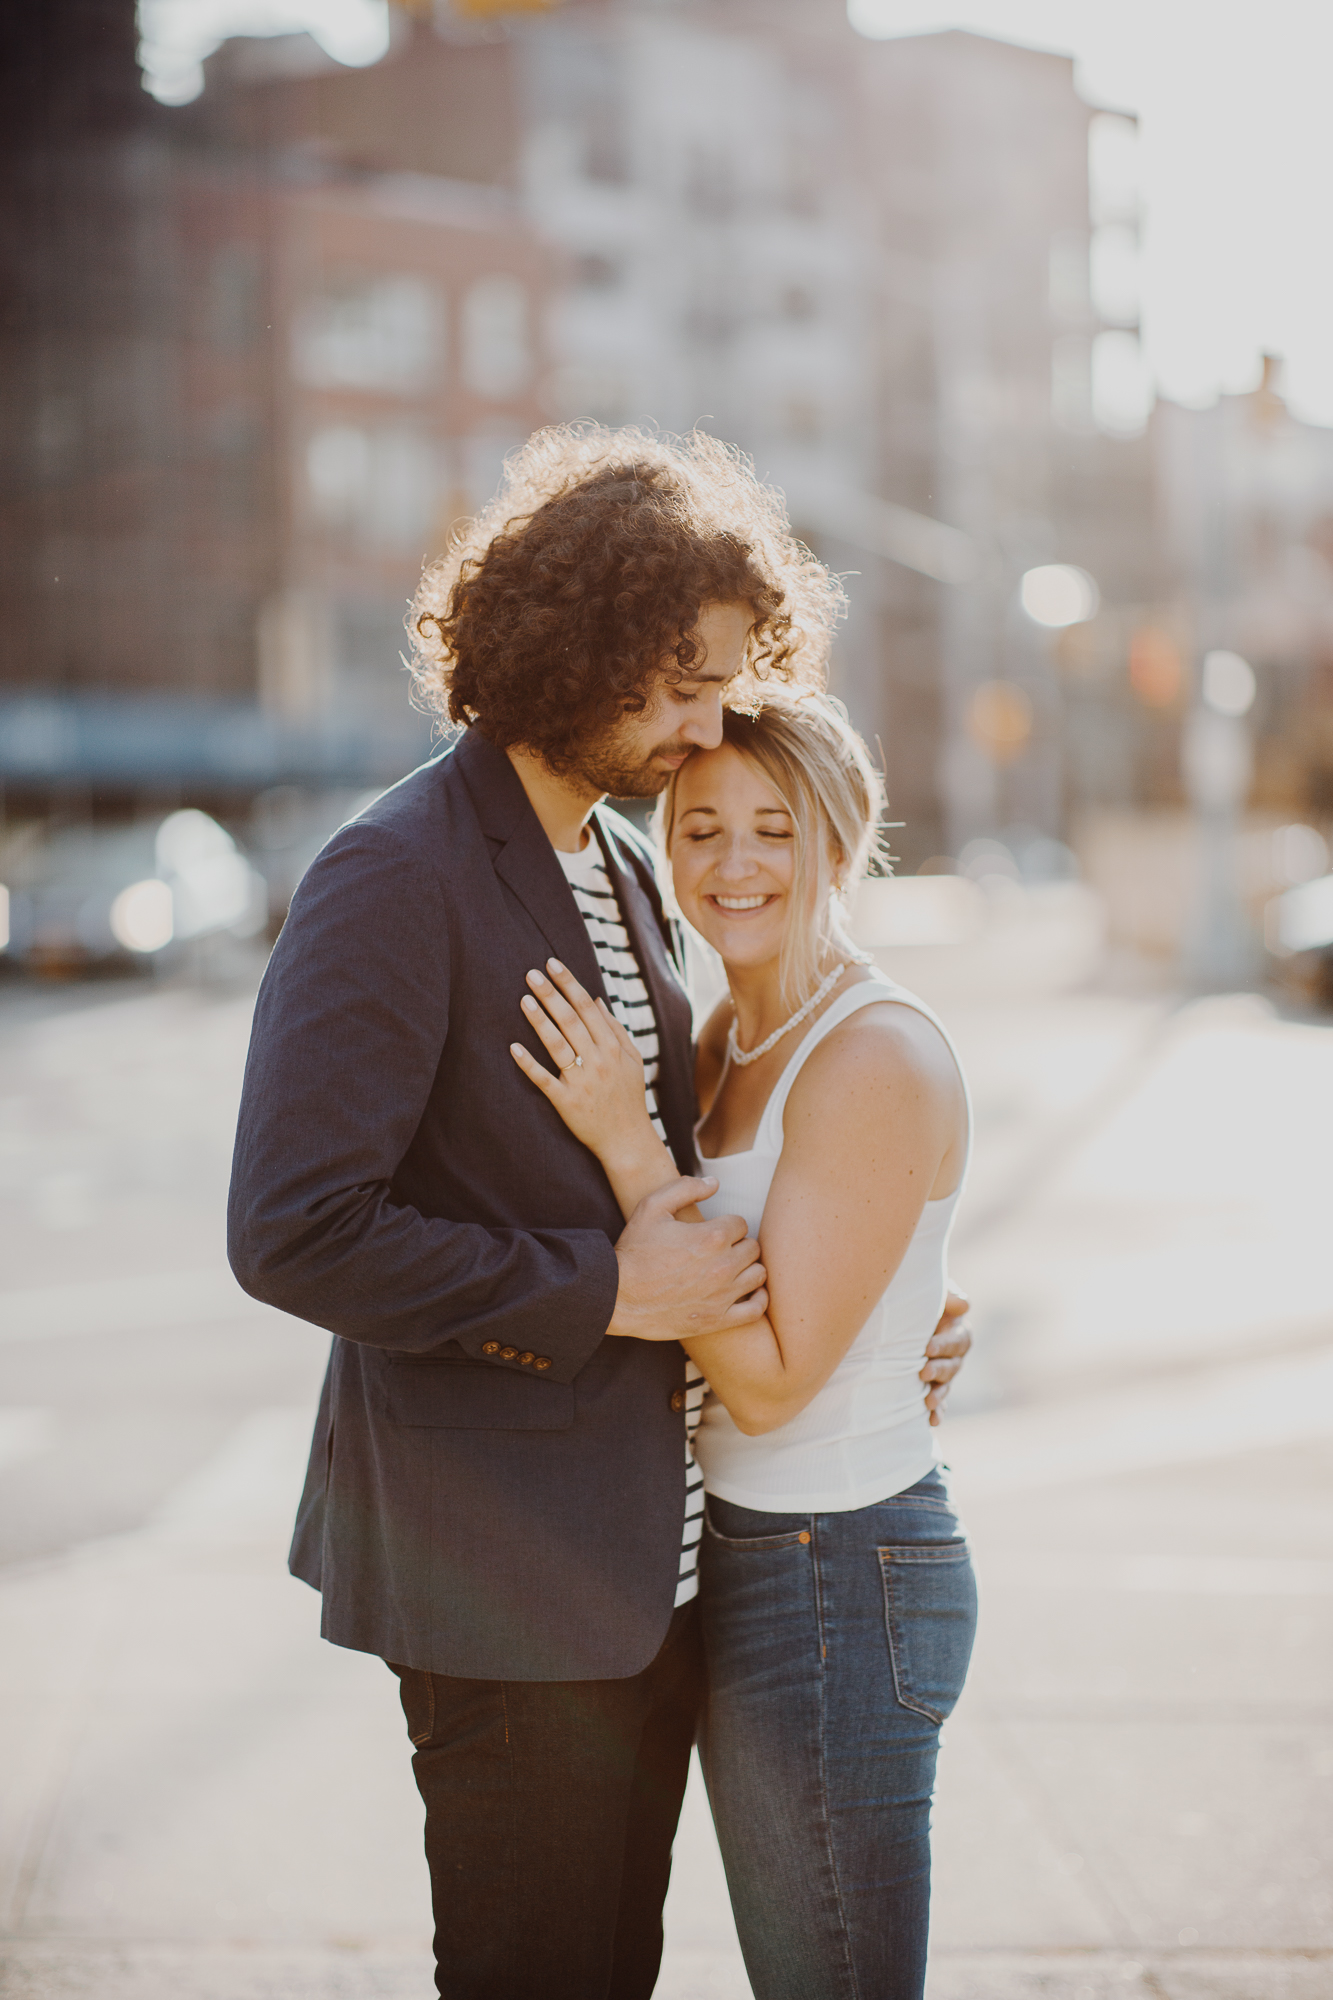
x: 790, y: 1538
x: 930, y: 1614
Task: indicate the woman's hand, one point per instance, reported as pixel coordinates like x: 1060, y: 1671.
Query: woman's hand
x: 598, y: 1088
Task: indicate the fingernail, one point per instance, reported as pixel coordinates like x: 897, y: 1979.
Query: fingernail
x: 537, y: 978
x: 555, y: 965
x: 528, y: 1002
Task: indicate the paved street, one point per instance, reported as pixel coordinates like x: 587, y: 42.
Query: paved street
x: 202, y: 1801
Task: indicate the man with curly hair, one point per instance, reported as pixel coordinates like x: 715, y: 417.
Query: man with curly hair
x: 501, y: 1500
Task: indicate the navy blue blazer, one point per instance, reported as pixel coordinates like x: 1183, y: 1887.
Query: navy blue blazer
x: 495, y: 1490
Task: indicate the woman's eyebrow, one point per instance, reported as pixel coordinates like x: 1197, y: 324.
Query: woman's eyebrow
x: 699, y: 809
x: 767, y: 809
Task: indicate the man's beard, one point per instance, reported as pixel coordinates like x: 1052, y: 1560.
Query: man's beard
x: 604, y: 766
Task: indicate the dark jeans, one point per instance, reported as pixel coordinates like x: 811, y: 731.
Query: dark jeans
x: 836, y: 1645
x: 550, y: 1812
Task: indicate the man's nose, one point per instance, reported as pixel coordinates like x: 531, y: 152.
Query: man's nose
x: 704, y: 727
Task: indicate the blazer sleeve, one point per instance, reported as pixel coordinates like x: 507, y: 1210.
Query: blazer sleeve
x: 348, y: 1031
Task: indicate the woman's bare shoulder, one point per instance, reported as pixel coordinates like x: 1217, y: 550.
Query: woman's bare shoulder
x: 883, y: 1047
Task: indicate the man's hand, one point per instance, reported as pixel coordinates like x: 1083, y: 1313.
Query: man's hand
x: 946, y: 1351
x: 682, y: 1278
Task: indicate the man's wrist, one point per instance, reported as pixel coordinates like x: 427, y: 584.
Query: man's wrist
x: 635, y: 1318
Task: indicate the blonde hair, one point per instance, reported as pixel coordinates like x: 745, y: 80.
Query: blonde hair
x: 821, y: 770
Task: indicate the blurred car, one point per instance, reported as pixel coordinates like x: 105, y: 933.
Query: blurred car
x: 1298, y: 929
x: 98, y: 898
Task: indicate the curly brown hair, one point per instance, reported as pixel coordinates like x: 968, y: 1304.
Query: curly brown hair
x: 553, y: 612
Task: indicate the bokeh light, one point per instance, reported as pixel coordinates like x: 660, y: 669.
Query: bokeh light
x: 1228, y: 683
x: 1058, y: 594
x: 142, y: 916
x: 999, y: 718
x: 1156, y: 668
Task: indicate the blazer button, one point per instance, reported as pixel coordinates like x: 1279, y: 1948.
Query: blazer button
x: 526, y: 1358
x: 490, y: 1347
x: 541, y: 1361
x: 508, y: 1354
x: 678, y: 1399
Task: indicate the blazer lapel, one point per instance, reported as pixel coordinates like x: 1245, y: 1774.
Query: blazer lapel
x: 526, y: 859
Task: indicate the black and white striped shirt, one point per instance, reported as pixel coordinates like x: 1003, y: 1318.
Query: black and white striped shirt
x: 628, y: 999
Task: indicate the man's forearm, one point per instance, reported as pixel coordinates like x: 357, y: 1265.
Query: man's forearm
x: 420, y: 1284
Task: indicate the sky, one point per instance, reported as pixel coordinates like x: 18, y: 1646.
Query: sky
x: 1236, y: 152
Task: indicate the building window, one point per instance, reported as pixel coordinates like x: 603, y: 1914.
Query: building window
x: 383, y: 333
x: 1113, y: 168
x: 1071, y: 384
x: 594, y: 272
x: 236, y: 439
x: 798, y: 302
x: 382, y: 487
x: 605, y: 155
x: 1115, y: 273
x: 497, y: 348
x: 1122, y: 388
x: 233, y: 295
x: 710, y: 181
x: 1068, y: 277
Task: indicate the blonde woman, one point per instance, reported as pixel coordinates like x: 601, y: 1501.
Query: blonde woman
x: 838, y: 1599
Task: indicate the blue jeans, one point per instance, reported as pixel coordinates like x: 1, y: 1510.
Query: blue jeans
x: 836, y: 1644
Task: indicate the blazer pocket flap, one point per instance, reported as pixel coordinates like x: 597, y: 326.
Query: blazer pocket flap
x: 471, y: 1396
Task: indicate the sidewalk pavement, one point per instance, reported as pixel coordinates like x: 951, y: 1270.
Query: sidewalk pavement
x: 204, y: 1802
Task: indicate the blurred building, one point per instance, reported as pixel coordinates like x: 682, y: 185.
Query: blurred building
x: 881, y: 268
x: 408, y: 341
x: 630, y: 213
x: 94, y: 545
x: 1247, y: 499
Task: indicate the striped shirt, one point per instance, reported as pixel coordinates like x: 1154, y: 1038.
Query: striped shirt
x: 627, y: 997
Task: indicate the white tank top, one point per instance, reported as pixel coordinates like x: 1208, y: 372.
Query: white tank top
x: 866, y: 1435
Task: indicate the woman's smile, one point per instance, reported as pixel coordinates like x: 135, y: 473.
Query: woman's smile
x: 739, y: 906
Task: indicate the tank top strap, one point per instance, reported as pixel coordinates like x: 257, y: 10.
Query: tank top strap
x: 769, y: 1136
x: 865, y: 994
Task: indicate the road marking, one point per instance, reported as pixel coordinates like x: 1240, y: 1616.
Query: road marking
x: 134, y: 1304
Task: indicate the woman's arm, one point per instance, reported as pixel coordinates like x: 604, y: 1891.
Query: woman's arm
x: 875, y: 1125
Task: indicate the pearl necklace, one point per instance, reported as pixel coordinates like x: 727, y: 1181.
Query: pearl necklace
x: 745, y: 1057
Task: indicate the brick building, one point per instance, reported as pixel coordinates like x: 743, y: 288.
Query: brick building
x: 868, y: 264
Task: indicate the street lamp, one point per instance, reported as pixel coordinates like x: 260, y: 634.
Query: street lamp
x: 1053, y: 596
x: 1217, y: 765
